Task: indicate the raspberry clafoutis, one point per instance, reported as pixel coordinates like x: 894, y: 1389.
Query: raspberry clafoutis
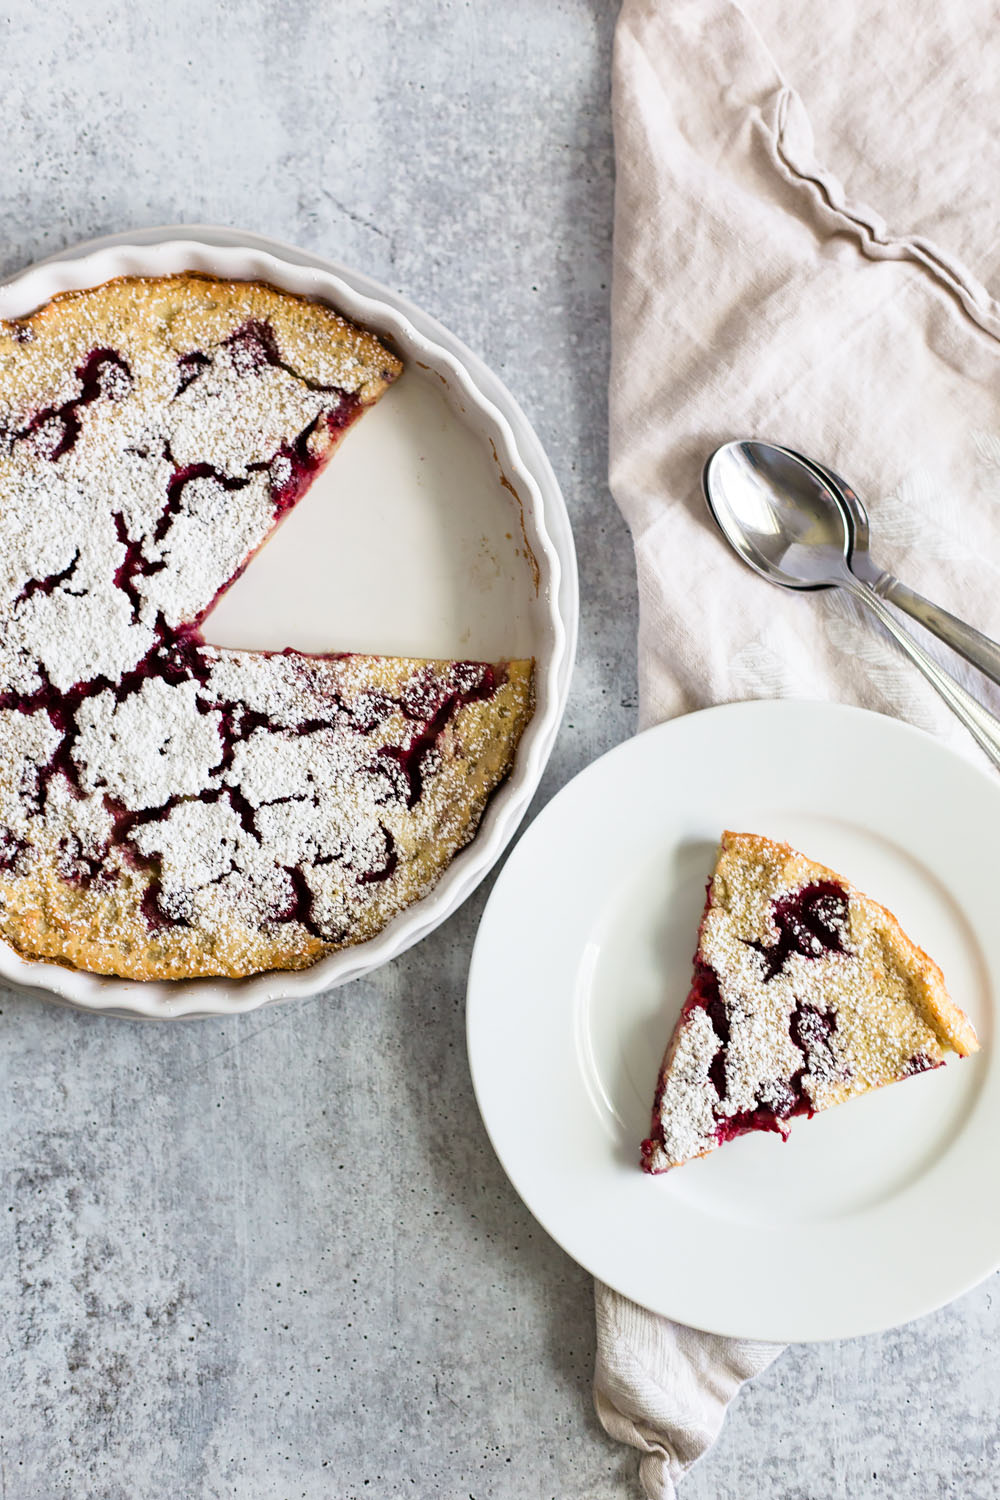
x: 805, y: 993
x: 170, y: 810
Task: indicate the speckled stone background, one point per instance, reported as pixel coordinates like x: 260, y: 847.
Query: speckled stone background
x: 275, y: 1256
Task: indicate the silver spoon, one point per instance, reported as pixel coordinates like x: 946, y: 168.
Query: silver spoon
x: 968, y: 642
x: 786, y: 518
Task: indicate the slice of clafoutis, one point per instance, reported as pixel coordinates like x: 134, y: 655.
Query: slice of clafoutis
x: 805, y: 993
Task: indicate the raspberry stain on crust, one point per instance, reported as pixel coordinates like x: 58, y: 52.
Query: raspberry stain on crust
x: 810, y: 922
x: 216, y: 791
x: 809, y: 1029
x: 269, y: 804
x: 104, y: 373
x: 771, y: 1027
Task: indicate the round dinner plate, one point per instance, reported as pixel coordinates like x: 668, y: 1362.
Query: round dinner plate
x: 873, y: 1213
x: 437, y: 530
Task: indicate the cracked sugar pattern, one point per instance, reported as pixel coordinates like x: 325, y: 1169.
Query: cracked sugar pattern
x: 321, y: 1298
x: 255, y: 790
x: 803, y: 994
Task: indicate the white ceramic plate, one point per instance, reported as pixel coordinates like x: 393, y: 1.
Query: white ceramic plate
x: 437, y: 530
x: 870, y: 1215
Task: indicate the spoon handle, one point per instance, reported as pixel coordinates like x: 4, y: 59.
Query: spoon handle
x: 972, y: 644
x: 981, y: 724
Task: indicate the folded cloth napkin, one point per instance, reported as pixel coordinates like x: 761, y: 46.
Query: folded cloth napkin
x: 664, y: 1388
x: 753, y: 296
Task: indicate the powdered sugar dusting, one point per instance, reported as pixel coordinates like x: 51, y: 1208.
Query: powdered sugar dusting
x: 184, y: 809
x: 208, y: 540
x: 240, y: 409
x: 815, y: 995
x: 687, y: 1111
x: 62, y: 618
x: 27, y: 744
x: 147, y: 746
x: 200, y: 844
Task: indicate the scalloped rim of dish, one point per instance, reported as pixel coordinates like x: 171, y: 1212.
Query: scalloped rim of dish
x: 247, y: 257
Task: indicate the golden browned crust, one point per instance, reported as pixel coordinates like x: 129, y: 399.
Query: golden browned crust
x: 151, y: 317
x: 100, y: 925
x: 103, y: 905
x: 894, y: 952
x: 806, y: 993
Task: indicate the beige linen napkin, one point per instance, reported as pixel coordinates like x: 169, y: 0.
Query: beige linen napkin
x: 755, y: 296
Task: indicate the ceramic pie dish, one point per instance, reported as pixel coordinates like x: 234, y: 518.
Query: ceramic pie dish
x: 431, y: 534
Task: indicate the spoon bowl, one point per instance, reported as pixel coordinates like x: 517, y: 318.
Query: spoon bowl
x: 970, y: 643
x: 782, y: 515
x: 799, y: 525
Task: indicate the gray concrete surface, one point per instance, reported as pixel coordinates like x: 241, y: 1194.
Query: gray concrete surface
x: 275, y: 1256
